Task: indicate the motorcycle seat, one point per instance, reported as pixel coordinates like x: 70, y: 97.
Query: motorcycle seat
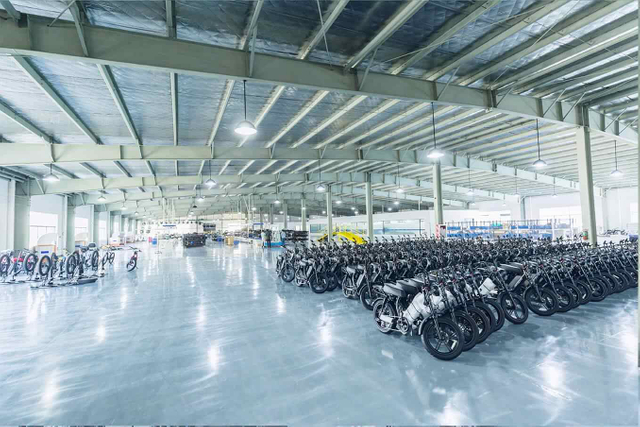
x: 391, y: 289
x: 351, y: 270
x: 360, y: 267
x: 407, y: 286
x: 511, y: 268
x: 419, y: 282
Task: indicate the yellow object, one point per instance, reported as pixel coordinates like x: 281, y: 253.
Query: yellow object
x: 346, y: 235
x: 229, y: 240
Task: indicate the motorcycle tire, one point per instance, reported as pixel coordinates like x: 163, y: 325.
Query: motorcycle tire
x: 72, y: 262
x: 566, y: 301
x: 497, y: 311
x: 332, y: 280
x: 44, y: 266
x: 608, y: 282
x: 482, y: 323
x: 630, y: 280
x: 515, y: 309
x: 288, y: 273
x: 317, y: 284
x: 599, y: 290
x: 367, y: 298
x: 546, y: 307
x: 131, y: 265
x: 5, y: 263
x: 469, y: 329
x: 380, y: 307
x: 95, y: 260
x: 615, y: 286
x: 299, y: 279
x: 112, y: 256
x: 452, y: 339
x: 623, y: 283
x: 488, y: 311
x: 577, y: 295
x: 30, y: 263
x: 585, y: 292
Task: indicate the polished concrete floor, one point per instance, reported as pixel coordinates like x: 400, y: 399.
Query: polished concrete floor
x: 210, y: 336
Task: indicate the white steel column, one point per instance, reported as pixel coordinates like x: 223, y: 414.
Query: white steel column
x: 71, y: 226
x: 369, y: 207
x: 270, y: 216
x: 303, y: 213
x: 585, y: 175
x: 437, y: 193
x: 21, y: 222
x: 285, y: 212
x: 329, y: 214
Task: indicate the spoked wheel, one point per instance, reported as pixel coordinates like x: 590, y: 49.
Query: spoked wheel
x: 288, y: 274
x: 544, y: 304
x: 515, y: 309
x: 72, y: 262
x: 45, y: 265
x: 383, y: 314
x: 104, y: 260
x: 5, y: 263
x: 482, y: 323
x: 469, y: 330
x: 30, y: 263
x: 300, y: 280
x: 112, y: 256
x: 132, y: 264
x: 446, y: 345
x: 95, y: 260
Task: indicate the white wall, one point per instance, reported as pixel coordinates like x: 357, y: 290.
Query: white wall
x: 7, y: 209
x: 57, y: 205
x: 618, y: 207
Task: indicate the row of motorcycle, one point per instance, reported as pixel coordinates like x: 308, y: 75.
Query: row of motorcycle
x: 454, y: 294
x: 84, y: 265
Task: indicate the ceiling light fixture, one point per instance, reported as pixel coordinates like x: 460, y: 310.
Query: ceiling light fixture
x: 396, y: 203
x: 102, y: 198
x: 616, y: 173
x: 51, y: 177
x: 538, y: 164
x: 245, y: 127
x: 320, y: 188
x: 435, y: 153
x: 210, y: 182
x: 470, y: 191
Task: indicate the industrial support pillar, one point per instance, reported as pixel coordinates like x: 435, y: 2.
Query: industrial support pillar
x: 585, y: 176
x: 329, y: 214
x: 22, y: 219
x: 369, y: 207
x: 109, y: 221
x: 270, y: 216
x: 285, y: 211
x: 96, y: 225
x: 437, y: 193
x: 303, y: 213
x: 71, y: 226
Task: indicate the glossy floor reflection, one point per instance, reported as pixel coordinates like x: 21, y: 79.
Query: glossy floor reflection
x: 210, y: 336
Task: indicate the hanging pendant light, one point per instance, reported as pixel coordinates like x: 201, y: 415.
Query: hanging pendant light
x: 470, y: 191
x: 51, y: 177
x: 517, y: 187
x: 102, y: 198
x: 435, y: 153
x: 538, y: 164
x: 399, y: 189
x: 616, y: 173
x: 320, y: 188
x: 554, y: 189
x: 245, y: 127
x: 210, y: 182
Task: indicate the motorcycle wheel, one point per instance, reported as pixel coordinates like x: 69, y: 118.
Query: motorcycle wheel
x: 469, y: 330
x: 367, y: 298
x: 546, y: 307
x: 575, y: 292
x: 72, y: 262
x: 565, y: 299
x: 332, y: 281
x: 95, y: 260
x: 488, y: 311
x: 497, y: 311
x: 515, y: 309
x: 132, y: 264
x: 482, y: 323
x: 317, y: 284
x: 585, y: 292
x: 30, y: 263
x: 380, y: 307
x: 288, y: 273
x: 112, y: 256
x: 447, y: 347
x: 599, y: 290
x: 44, y: 266
x: 5, y: 262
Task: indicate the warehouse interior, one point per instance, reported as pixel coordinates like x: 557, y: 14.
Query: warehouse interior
x: 199, y: 143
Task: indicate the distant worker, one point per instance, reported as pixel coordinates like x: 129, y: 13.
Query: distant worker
x: 268, y: 233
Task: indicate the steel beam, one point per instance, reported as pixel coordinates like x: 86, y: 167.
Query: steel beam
x: 126, y: 48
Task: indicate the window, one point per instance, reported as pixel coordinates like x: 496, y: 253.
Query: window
x: 565, y: 214
x: 82, y: 225
x: 41, y: 223
x: 102, y: 237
